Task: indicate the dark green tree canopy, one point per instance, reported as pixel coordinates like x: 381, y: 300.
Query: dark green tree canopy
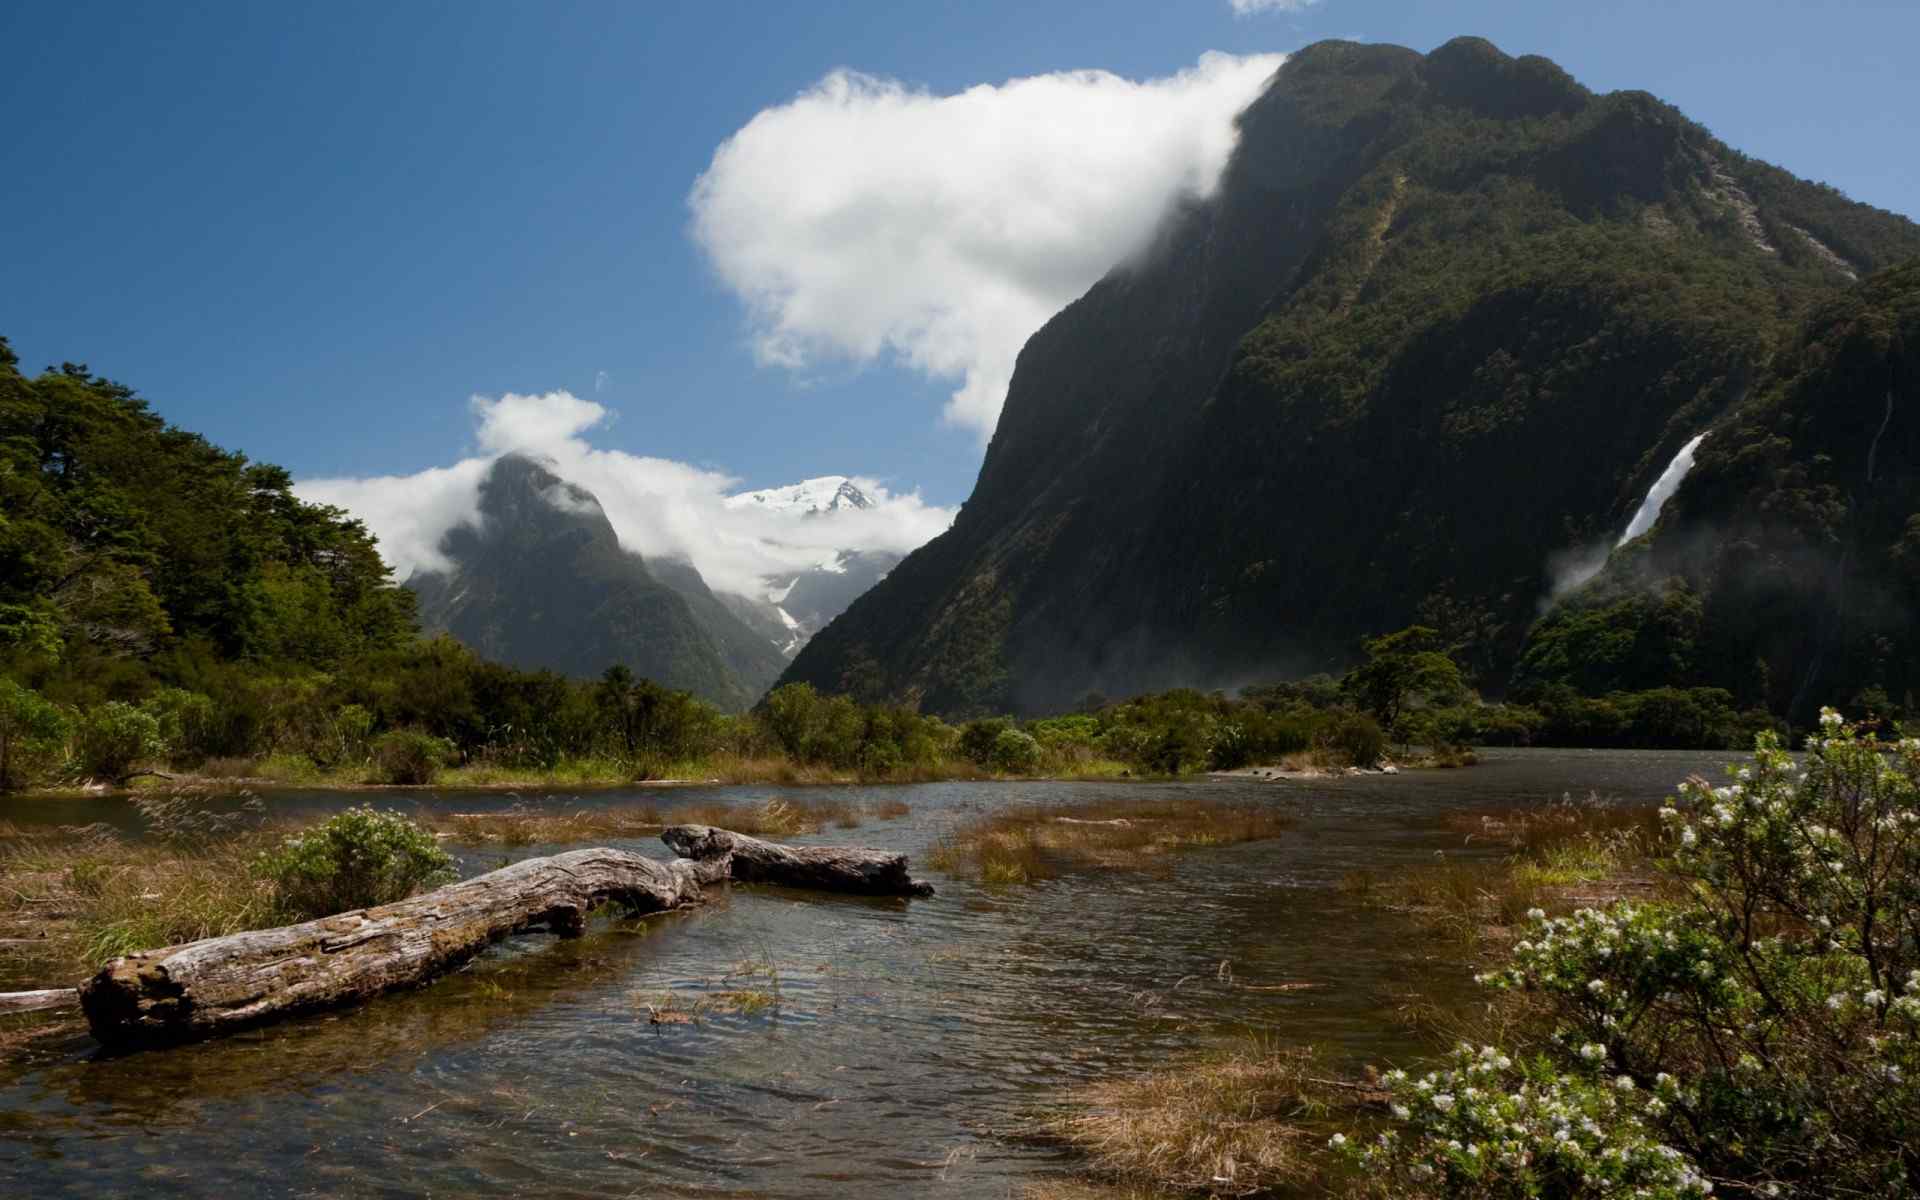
x: 122, y: 536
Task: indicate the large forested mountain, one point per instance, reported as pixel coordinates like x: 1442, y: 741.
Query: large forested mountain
x: 1787, y: 566
x: 1445, y: 319
x: 126, y: 542
x: 541, y: 581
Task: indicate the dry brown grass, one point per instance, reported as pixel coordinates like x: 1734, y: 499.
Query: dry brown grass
x: 780, y: 816
x: 1026, y: 844
x: 1082, y: 1189
x: 79, y: 897
x: 1236, y: 1123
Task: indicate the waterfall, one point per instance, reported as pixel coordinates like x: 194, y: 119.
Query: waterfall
x: 1662, y: 490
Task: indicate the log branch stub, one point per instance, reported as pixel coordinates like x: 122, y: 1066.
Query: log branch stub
x: 221, y: 984
x: 854, y: 869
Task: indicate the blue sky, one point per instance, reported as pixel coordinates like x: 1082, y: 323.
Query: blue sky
x: 312, y: 232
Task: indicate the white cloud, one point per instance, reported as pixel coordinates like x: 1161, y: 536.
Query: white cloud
x: 868, y: 220
x: 1249, y: 8
x: 657, y: 506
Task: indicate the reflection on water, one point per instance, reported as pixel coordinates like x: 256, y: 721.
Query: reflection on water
x: 904, y: 1033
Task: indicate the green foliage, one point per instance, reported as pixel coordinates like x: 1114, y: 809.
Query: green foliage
x: 1761, y: 1029
x: 1355, y: 737
x: 408, y: 756
x: 111, y: 738
x: 357, y: 859
x: 1785, y: 568
x: 33, y: 737
x: 122, y: 537
x: 187, y: 722
x: 1403, y: 668
x: 1014, y: 752
x: 978, y: 738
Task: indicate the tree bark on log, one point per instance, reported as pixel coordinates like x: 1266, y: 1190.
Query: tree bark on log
x: 221, y: 984
x: 829, y: 868
x: 19, y: 1002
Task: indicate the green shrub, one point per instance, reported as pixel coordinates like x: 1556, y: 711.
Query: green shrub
x: 978, y: 738
x: 112, y: 737
x: 1355, y: 737
x: 356, y: 859
x: 188, y: 723
x: 33, y: 737
x: 347, y: 737
x: 1015, y: 752
x: 407, y: 756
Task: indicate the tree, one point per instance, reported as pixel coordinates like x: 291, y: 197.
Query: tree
x: 614, y: 696
x: 33, y: 735
x: 1400, y: 668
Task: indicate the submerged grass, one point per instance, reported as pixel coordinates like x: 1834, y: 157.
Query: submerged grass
x: 1559, y: 857
x: 1027, y: 844
x: 1256, y: 1120
x: 1238, y: 1122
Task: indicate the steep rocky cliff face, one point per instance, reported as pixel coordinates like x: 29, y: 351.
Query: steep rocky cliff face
x: 1786, y: 568
x: 542, y: 581
x: 1445, y: 319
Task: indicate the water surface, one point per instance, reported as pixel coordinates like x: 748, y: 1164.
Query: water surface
x: 907, y: 1037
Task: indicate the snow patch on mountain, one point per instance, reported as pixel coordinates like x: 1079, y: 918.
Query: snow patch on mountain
x: 809, y: 497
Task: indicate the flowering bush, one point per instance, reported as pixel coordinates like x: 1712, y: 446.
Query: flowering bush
x: 1764, y: 1031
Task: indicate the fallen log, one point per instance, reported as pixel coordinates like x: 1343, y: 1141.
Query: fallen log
x: 19, y: 1002
x: 829, y: 868
x: 221, y: 984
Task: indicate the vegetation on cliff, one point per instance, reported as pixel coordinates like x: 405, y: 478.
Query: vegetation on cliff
x: 1787, y: 566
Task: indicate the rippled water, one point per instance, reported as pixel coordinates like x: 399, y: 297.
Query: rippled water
x: 907, y: 1036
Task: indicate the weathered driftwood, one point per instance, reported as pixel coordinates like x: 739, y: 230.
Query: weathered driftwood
x: 19, y: 1002
x: 829, y: 868
x: 225, y: 983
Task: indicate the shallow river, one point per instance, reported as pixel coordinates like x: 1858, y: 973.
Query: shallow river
x: 906, y: 1042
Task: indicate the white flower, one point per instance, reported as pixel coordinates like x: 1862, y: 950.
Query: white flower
x: 1623, y: 1083
x: 1443, y: 1101
x: 1536, y: 914
x: 1593, y: 1052
x: 1401, y: 1112
x: 1337, y: 1140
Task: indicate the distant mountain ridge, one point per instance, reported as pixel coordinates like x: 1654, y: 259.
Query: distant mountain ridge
x: 1446, y: 318
x: 541, y: 580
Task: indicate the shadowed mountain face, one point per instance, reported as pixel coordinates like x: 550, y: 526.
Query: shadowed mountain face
x: 544, y: 582
x: 1447, y: 318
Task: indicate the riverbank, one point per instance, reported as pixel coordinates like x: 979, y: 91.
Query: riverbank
x: 283, y: 772
x: 583, y: 775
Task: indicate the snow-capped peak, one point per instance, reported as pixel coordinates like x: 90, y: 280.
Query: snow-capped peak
x: 828, y: 493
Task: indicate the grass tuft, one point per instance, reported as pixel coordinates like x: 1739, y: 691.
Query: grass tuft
x: 1024, y: 845
x: 1236, y: 1123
